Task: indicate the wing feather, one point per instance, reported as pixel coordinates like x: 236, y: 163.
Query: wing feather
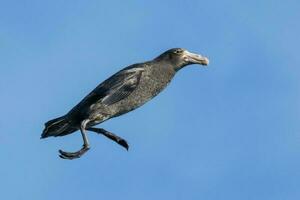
x: 112, y: 90
x: 123, y: 88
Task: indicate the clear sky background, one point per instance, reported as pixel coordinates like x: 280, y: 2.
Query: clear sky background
x: 229, y: 131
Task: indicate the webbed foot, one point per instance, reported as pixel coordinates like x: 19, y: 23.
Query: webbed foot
x: 73, y: 155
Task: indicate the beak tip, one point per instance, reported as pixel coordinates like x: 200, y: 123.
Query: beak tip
x: 205, y: 61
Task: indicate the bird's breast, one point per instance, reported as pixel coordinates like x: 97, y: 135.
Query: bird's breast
x: 152, y: 82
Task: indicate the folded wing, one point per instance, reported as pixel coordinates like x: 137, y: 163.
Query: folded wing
x: 112, y: 90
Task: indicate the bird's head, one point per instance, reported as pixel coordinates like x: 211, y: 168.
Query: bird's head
x: 179, y: 58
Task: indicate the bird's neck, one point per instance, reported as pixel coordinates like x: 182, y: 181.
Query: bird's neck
x: 163, y: 71
x: 166, y: 65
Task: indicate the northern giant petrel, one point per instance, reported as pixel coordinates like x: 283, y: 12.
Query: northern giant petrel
x: 121, y: 93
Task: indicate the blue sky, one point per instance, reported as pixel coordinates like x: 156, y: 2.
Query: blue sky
x: 229, y: 131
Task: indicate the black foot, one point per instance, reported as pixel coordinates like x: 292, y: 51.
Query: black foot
x: 111, y: 136
x: 123, y: 143
x: 73, y: 155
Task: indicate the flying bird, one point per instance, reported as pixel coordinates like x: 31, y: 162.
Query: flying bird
x: 123, y: 92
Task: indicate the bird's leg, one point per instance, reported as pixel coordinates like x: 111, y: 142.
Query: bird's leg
x: 111, y: 136
x: 85, y: 147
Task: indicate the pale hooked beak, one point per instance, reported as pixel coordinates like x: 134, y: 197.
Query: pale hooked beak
x: 195, y: 58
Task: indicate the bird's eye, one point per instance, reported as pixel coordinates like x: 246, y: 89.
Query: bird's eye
x: 178, y: 51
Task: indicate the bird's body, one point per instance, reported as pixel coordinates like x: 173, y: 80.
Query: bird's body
x: 143, y: 81
x: 123, y: 92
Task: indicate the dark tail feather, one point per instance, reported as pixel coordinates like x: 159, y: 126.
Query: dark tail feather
x: 55, y: 127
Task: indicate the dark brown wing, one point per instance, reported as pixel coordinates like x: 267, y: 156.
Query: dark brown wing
x: 121, y: 88
x: 112, y: 90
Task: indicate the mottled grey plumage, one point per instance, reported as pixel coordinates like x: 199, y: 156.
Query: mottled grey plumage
x: 123, y: 92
